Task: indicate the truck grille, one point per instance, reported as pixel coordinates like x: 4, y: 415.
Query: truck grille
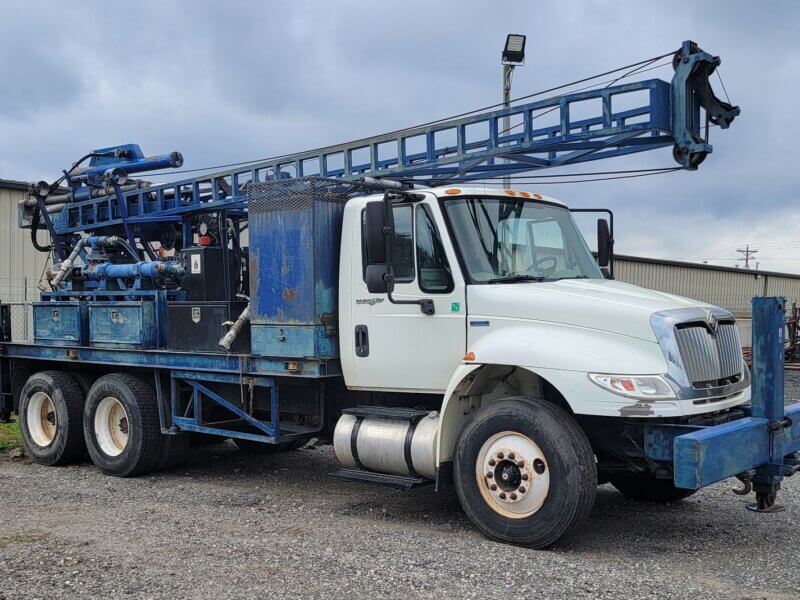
x: 710, y: 360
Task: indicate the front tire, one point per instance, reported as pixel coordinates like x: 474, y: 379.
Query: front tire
x: 524, y: 472
x: 644, y: 487
x: 121, y: 426
x: 50, y: 411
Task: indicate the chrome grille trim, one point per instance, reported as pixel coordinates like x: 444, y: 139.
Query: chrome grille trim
x: 707, y: 357
x: 690, y: 358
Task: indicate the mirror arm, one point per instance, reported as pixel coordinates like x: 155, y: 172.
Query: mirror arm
x: 425, y: 304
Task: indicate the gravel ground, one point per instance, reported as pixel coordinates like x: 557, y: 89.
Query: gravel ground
x: 232, y: 526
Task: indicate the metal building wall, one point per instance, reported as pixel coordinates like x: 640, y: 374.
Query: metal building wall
x: 732, y: 289
x: 21, y: 265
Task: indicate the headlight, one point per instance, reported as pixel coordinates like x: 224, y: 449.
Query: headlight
x: 644, y: 387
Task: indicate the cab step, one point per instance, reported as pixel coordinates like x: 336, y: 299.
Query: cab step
x: 399, y: 482
x: 387, y: 412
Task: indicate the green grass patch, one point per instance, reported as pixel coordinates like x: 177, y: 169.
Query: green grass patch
x: 10, y: 436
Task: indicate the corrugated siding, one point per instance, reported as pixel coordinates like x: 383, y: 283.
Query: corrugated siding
x: 731, y: 290
x: 19, y: 260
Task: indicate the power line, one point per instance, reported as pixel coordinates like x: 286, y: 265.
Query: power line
x: 593, y: 179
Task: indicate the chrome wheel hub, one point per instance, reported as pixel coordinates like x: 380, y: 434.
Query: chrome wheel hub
x: 111, y: 426
x: 512, y: 474
x: 41, y: 419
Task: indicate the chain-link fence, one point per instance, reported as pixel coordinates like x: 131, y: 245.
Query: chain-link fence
x: 21, y: 321
x: 17, y: 289
x: 18, y: 293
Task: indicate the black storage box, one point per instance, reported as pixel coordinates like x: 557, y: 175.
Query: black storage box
x: 205, y: 275
x: 198, y: 326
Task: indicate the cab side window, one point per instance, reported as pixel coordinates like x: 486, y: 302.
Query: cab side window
x: 434, y: 271
x: 402, y: 244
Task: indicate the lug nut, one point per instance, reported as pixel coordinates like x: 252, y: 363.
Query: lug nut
x: 500, y: 455
x: 492, y: 463
x: 513, y: 496
x: 522, y: 490
x: 538, y: 466
x: 520, y: 463
x: 524, y: 477
x: 510, y: 456
x: 493, y: 487
x: 502, y: 495
x: 489, y: 475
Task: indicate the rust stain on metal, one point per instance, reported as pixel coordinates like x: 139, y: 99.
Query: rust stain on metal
x: 290, y: 294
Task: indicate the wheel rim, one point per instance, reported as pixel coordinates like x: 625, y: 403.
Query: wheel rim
x: 111, y: 426
x: 512, y: 474
x: 41, y: 419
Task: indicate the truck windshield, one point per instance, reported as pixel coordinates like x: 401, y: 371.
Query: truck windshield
x: 506, y: 240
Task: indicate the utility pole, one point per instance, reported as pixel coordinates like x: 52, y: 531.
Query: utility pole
x: 746, y: 254
x: 507, y: 71
x: 513, y: 56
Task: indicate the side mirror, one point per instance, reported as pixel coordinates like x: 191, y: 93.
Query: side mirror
x: 605, y: 243
x: 378, y: 229
x: 377, y: 280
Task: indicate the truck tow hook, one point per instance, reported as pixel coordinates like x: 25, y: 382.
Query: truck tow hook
x: 747, y: 485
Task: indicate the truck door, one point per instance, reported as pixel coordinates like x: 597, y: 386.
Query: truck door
x: 396, y: 346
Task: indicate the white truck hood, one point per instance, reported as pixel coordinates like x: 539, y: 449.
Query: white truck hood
x: 601, y: 304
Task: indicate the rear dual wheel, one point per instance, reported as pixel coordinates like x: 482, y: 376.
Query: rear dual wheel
x: 51, y: 411
x: 122, y: 428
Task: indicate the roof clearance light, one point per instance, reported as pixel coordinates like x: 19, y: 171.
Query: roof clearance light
x: 469, y: 357
x: 525, y: 194
x: 510, y: 192
x: 452, y: 191
x: 537, y: 196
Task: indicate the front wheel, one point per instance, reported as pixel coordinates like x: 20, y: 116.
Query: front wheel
x: 644, y: 487
x: 524, y: 472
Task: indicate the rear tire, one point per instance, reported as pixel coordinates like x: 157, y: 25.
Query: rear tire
x: 51, y: 417
x: 524, y: 472
x: 121, y: 425
x: 176, y: 448
x: 644, y: 487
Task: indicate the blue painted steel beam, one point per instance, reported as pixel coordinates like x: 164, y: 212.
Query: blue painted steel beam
x: 163, y: 359
x: 716, y: 453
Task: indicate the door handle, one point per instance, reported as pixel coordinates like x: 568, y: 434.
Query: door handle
x: 362, y: 341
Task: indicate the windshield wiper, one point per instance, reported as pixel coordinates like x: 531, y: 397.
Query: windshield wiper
x: 516, y: 278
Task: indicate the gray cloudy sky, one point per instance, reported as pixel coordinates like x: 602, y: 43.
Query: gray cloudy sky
x: 235, y: 80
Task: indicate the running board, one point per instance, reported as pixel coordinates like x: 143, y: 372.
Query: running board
x: 399, y: 482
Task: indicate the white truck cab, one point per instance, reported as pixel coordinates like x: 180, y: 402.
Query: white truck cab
x: 492, y: 297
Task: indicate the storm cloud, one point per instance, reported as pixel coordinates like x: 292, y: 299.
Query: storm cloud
x: 230, y: 81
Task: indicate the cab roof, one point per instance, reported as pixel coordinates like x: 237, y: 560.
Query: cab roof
x: 454, y: 192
